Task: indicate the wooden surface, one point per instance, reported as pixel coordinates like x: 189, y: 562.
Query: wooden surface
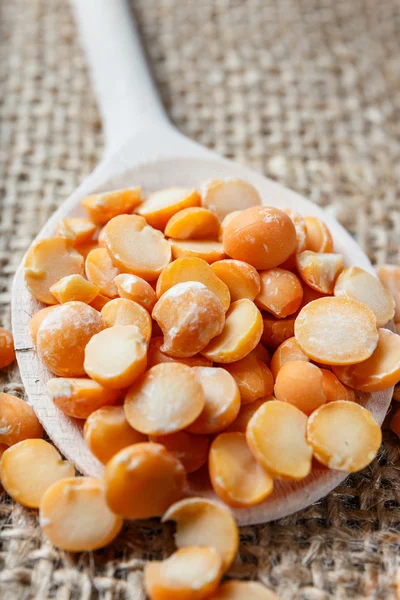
x: 163, y: 158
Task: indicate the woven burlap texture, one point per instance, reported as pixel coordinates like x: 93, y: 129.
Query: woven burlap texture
x: 307, y: 91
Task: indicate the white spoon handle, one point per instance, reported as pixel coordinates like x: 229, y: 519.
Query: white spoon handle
x: 127, y: 96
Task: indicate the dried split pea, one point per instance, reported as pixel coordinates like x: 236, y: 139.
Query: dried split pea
x: 390, y: 277
x: 103, y: 207
x: 201, y: 522
x: 7, y: 352
x: 243, y: 280
x: 261, y: 352
x: 319, y: 270
x: 336, y: 331
x: 116, y: 356
x: 288, y: 351
x: 76, y: 229
x: 334, y: 389
x: 143, y: 480
x: 225, y: 222
x: 301, y: 229
x: 135, y: 247
x: 222, y: 400
x: 155, y: 356
x: 193, y: 223
x: 191, y: 573
x: 137, y: 289
x: 224, y: 196
x: 301, y: 384
x: 380, y: 371
x: 75, y: 517
x: 29, y: 468
x: 86, y: 247
x: 281, y: 292
x: 121, y: 311
x: 253, y: 377
x: 107, y: 431
x: 48, y: 261
x: 78, y: 398
x: 166, y: 399
x: 63, y: 336
x: 276, y: 435
x: 101, y: 272
x: 17, y: 420
x: 240, y: 335
x: 362, y: 286
x: 37, y: 319
x: 184, y: 270
x: 99, y: 302
x: 189, y: 315
x: 318, y: 236
x: 245, y: 414
x: 208, y: 250
x: 344, y: 436
x: 262, y: 236
x: 276, y: 331
x: 191, y: 450
x: 159, y: 207
x: 236, y: 476
x: 243, y: 590
x: 74, y: 287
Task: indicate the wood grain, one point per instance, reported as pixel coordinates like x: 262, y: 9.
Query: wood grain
x: 155, y: 159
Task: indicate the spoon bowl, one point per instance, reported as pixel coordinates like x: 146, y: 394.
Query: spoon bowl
x: 155, y: 155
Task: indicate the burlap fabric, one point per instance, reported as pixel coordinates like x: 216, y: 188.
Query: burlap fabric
x: 307, y: 91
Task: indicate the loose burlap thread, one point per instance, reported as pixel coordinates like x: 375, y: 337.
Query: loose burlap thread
x: 307, y: 91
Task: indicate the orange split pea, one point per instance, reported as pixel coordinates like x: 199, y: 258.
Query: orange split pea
x: 37, y: 319
x: 160, y: 206
x: 99, y: 302
x: 78, y: 398
x: 236, y: 476
x: 155, y: 356
x: 190, y: 449
x: 189, y: 315
x: 390, y: 277
x: 344, y: 436
x: 17, y: 420
x: 243, y: 590
x: 7, y: 352
x: 107, y: 431
x: 225, y: 222
x: 276, y: 331
x: 121, y: 311
x: 103, y: 207
x: 74, y: 287
x: 301, y: 384
x: 194, y: 223
x: 202, y: 522
x: 245, y: 414
x: 137, y: 289
x: 63, y: 336
x: 183, y: 270
x: 191, y: 573
x: 318, y: 236
x: 253, y: 377
x: 240, y: 335
x: 29, y: 468
x: 222, y: 400
x: 288, y: 351
x: 224, y: 196
x: 208, y: 250
x: 75, y: 517
x: 262, y: 236
x: 166, y: 399
x: 380, y: 371
x: 319, y: 270
x: 135, y: 247
x: 336, y: 331
x: 334, y: 389
x: 276, y: 435
x: 281, y: 292
x: 101, y: 272
x: 76, y: 229
x: 242, y: 279
x: 116, y: 356
x: 143, y: 480
x: 48, y: 261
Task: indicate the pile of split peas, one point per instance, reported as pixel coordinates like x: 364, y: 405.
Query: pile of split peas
x: 195, y: 331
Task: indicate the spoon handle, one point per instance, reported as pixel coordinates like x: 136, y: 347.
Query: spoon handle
x: 126, y: 93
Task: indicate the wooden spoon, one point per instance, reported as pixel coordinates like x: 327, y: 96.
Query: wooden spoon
x: 143, y: 148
